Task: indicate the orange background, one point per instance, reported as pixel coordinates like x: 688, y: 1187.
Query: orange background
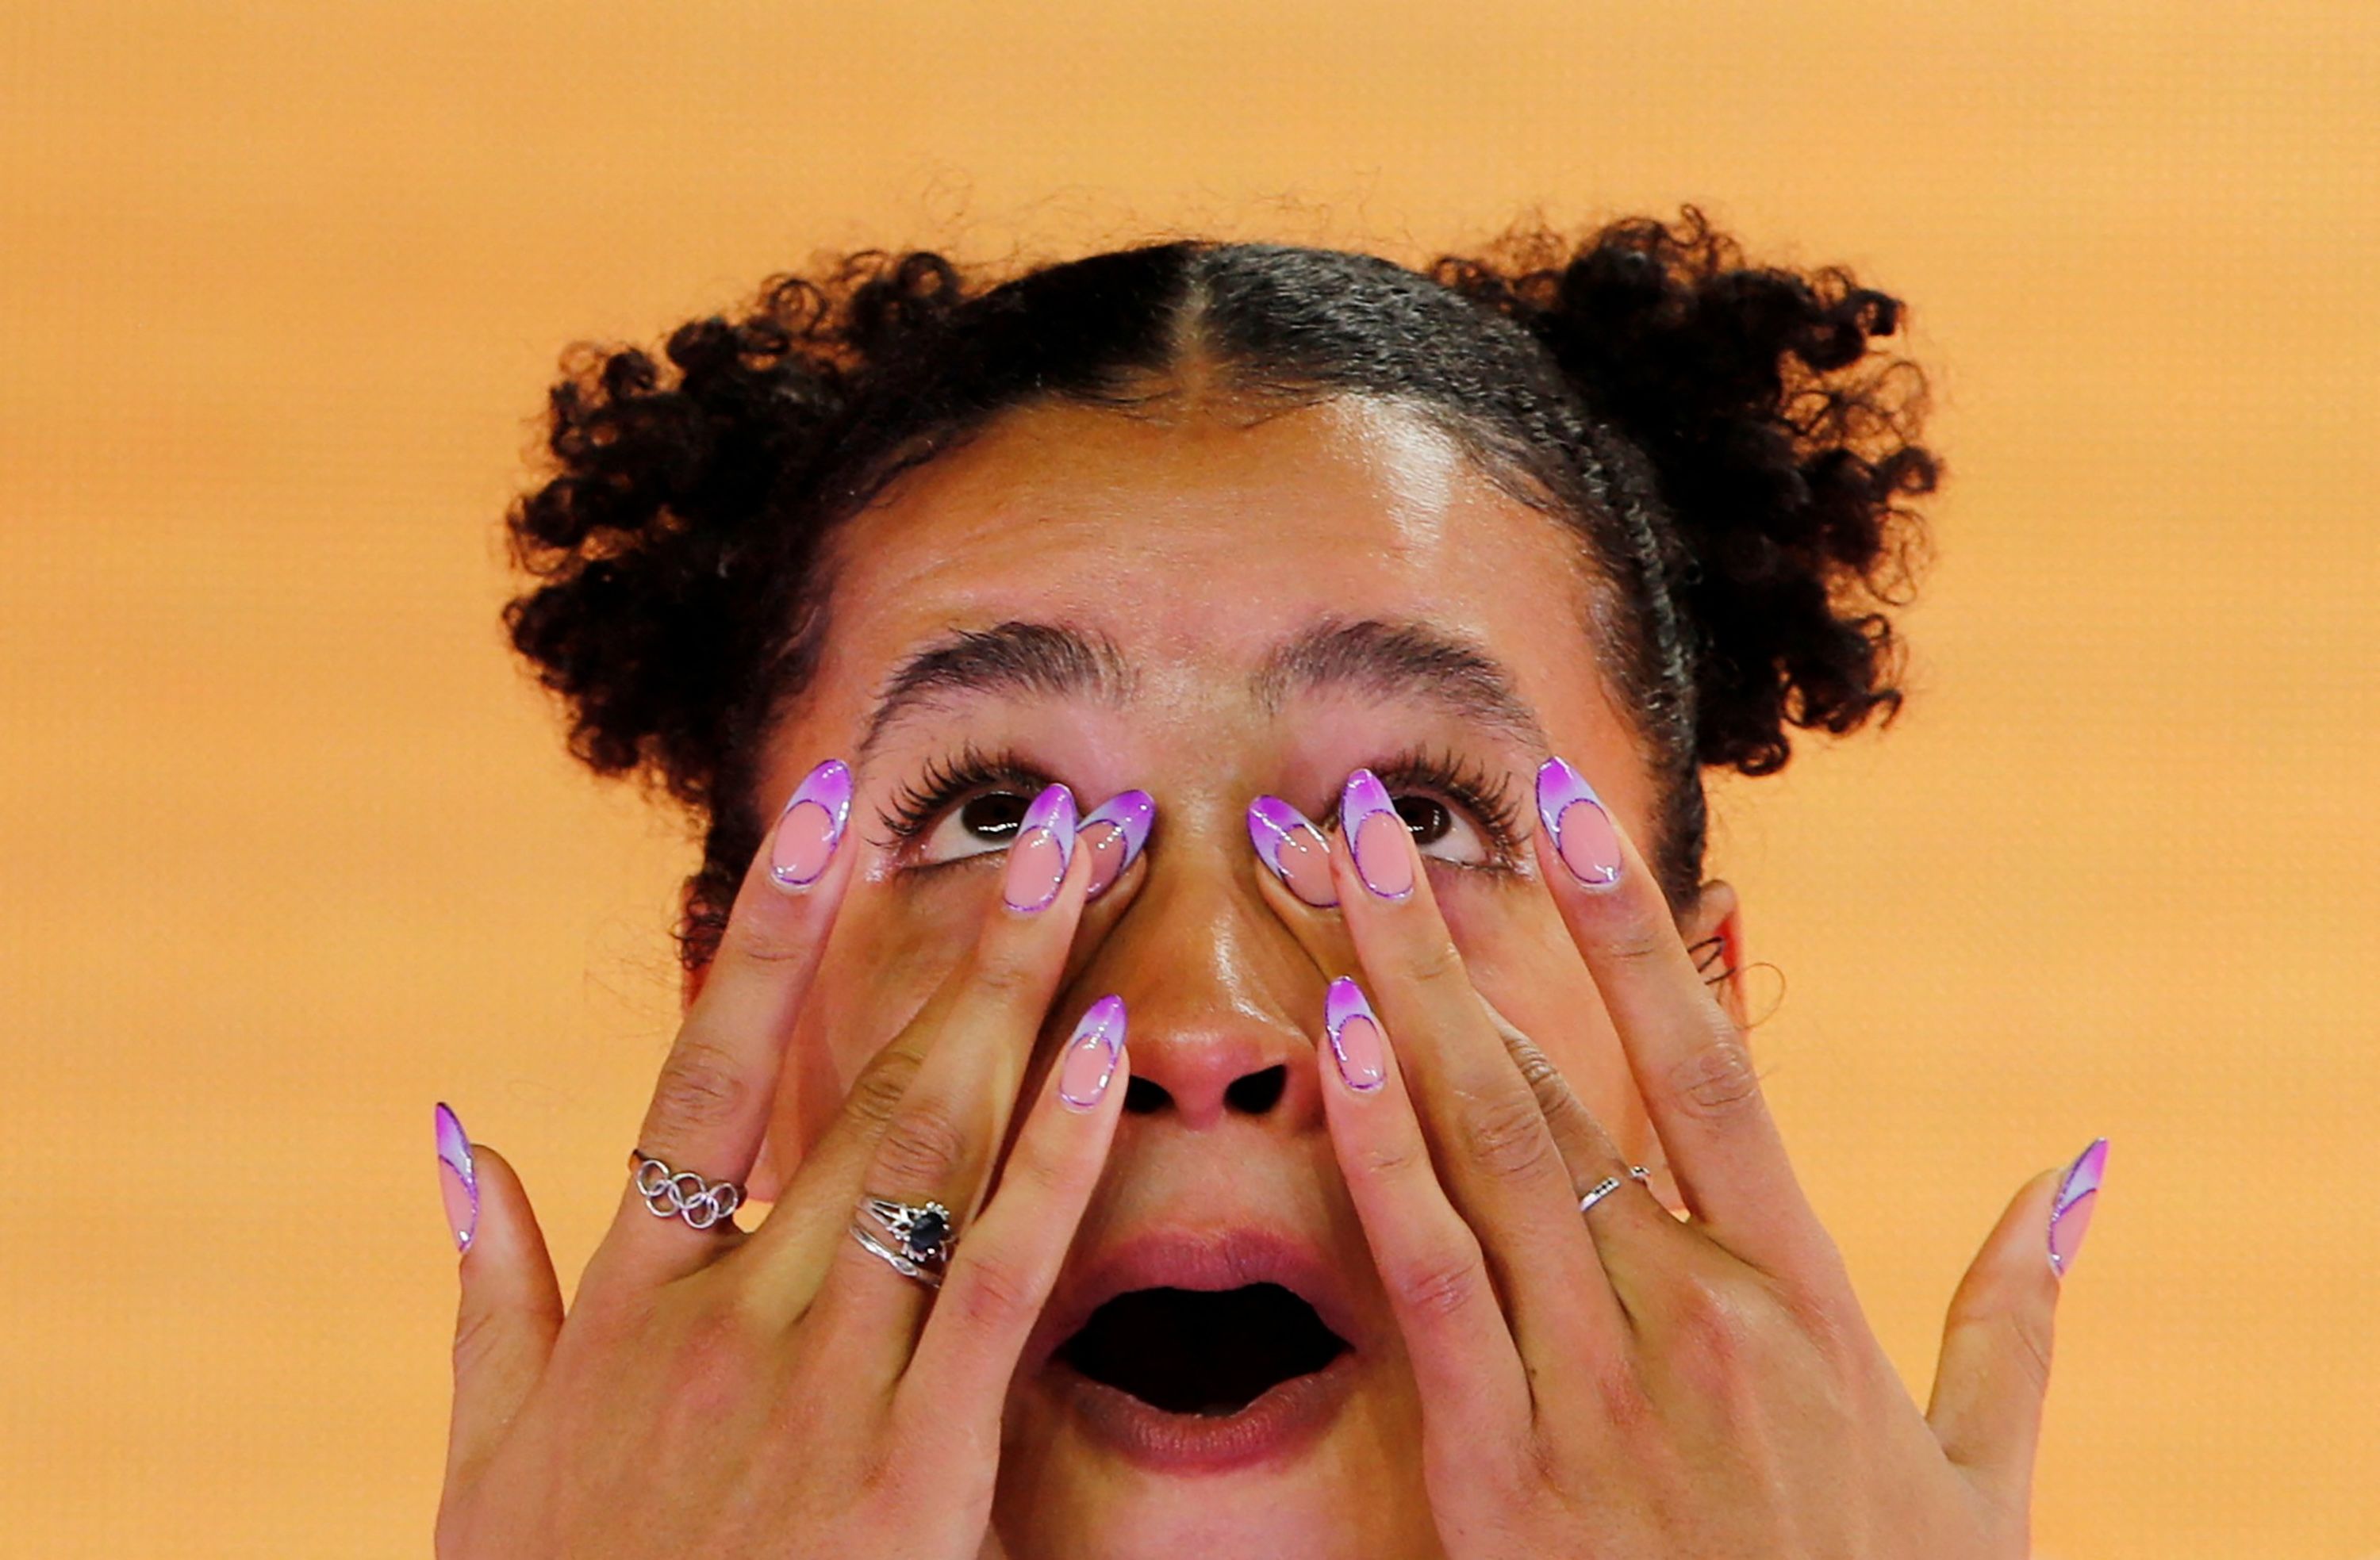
x: 290, y: 849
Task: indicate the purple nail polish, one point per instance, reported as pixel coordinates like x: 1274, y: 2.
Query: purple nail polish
x: 1038, y: 856
x: 456, y: 1183
x: 2069, y: 1213
x: 1355, y: 1034
x: 1296, y: 851
x: 1576, y: 821
x: 812, y: 825
x: 1376, y: 836
x: 1090, y: 1061
x: 1114, y: 833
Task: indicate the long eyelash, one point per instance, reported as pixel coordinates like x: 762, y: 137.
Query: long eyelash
x: 1487, y: 795
x: 917, y: 803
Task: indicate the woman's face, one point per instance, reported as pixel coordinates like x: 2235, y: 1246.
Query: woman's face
x: 1209, y: 610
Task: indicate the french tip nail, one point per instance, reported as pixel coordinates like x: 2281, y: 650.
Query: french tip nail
x: 458, y: 1184
x: 1089, y: 1066
x: 1354, y: 1032
x: 2077, y: 1199
x: 1585, y: 843
x: 802, y: 845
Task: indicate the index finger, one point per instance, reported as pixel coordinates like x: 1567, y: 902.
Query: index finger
x: 710, y: 1104
x: 1689, y: 1060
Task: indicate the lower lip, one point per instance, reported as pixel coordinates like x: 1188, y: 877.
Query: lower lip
x: 1286, y: 1418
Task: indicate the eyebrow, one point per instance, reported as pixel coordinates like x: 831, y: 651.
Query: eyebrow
x: 1400, y: 661
x: 1055, y: 661
x: 1047, y: 659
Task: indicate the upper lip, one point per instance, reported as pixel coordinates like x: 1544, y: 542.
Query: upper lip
x: 1194, y: 1257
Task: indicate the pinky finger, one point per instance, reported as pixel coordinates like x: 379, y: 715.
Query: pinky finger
x: 1475, y: 1391
x: 1005, y: 1267
x: 511, y: 1307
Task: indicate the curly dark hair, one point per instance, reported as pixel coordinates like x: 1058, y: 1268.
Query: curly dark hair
x: 1731, y: 452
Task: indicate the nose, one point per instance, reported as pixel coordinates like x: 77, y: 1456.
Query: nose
x: 1216, y: 989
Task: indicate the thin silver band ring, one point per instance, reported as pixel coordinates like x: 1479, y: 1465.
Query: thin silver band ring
x: 1610, y: 1184
x: 894, y: 1259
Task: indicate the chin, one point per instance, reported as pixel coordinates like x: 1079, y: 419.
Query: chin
x: 1211, y: 1393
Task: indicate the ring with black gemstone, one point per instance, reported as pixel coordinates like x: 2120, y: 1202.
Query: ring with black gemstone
x: 922, y: 1237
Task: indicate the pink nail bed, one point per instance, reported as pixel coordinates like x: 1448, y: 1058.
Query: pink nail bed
x: 812, y: 825
x: 1355, y: 1034
x: 1038, y: 856
x: 2069, y: 1213
x: 1090, y: 1061
x: 1114, y: 833
x: 1576, y: 821
x: 1376, y: 836
x: 456, y: 1182
x: 1287, y: 841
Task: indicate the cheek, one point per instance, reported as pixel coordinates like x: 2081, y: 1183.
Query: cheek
x: 1522, y: 960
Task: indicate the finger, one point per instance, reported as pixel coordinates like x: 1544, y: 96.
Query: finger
x: 1633, y: 1232
x: 812, y: 1215
x: 511, y: 1307
x: 1474, y: 1390
x: 1001, y: 1277
x: 841, y: 1151
x: 1496, y: 1155
x: 710, y: 1103
x: 1993, y: 1373
x: 1689, y: 1060
x: 1292, y: 869
x: 938, y: 1145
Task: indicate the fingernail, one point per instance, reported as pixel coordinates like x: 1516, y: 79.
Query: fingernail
x: 1090, y: 1063
x: 455, y: 1182
x: 1576, y: 821
x: 1376, y: 836
x: 1038, y: 856
x: 1287, y: 841
x: 1114, y: 833
x: 2069, y: 1214
x: 1354, y: 1036
x: 812, y: 825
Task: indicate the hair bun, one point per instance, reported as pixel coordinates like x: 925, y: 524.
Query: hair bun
x: 1782, y: 446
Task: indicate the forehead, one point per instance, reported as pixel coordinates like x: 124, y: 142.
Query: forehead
x: 1190, y: 539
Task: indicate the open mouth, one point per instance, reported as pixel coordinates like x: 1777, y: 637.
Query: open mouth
x: 1209, y: 1352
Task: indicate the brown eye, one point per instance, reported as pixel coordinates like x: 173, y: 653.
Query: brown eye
x: 981, y: 825
x: 1427, y: 817
x: 993, y: 816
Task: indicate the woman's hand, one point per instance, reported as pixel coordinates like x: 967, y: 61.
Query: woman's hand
x: 785, y: 1392
x: 1620, y: 1382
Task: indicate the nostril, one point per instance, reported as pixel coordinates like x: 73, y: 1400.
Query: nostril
x: 1142, y: 1098
x: 1255, y: 1093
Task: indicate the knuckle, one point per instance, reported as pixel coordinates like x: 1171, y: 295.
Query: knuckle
x: 477, y: 1333
x: 876, y: 1095
x: 921, y: 1151
x: 761, y: 940
x: 1716, y: 1080
x: 1433, y: 962
x: 2011, y: 1334
x: 1506, y: 1136
x: 1006, y: 975
x: 1711, y: 1320
x: 1442, y: 1282
x: 1635, y: 941
x: 994, y: 1291
x: 1393, y: 1159
x: 700, y: 1088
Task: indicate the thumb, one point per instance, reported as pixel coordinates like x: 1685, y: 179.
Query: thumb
x: 511, y: 1306
x: 1993, y: 1372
